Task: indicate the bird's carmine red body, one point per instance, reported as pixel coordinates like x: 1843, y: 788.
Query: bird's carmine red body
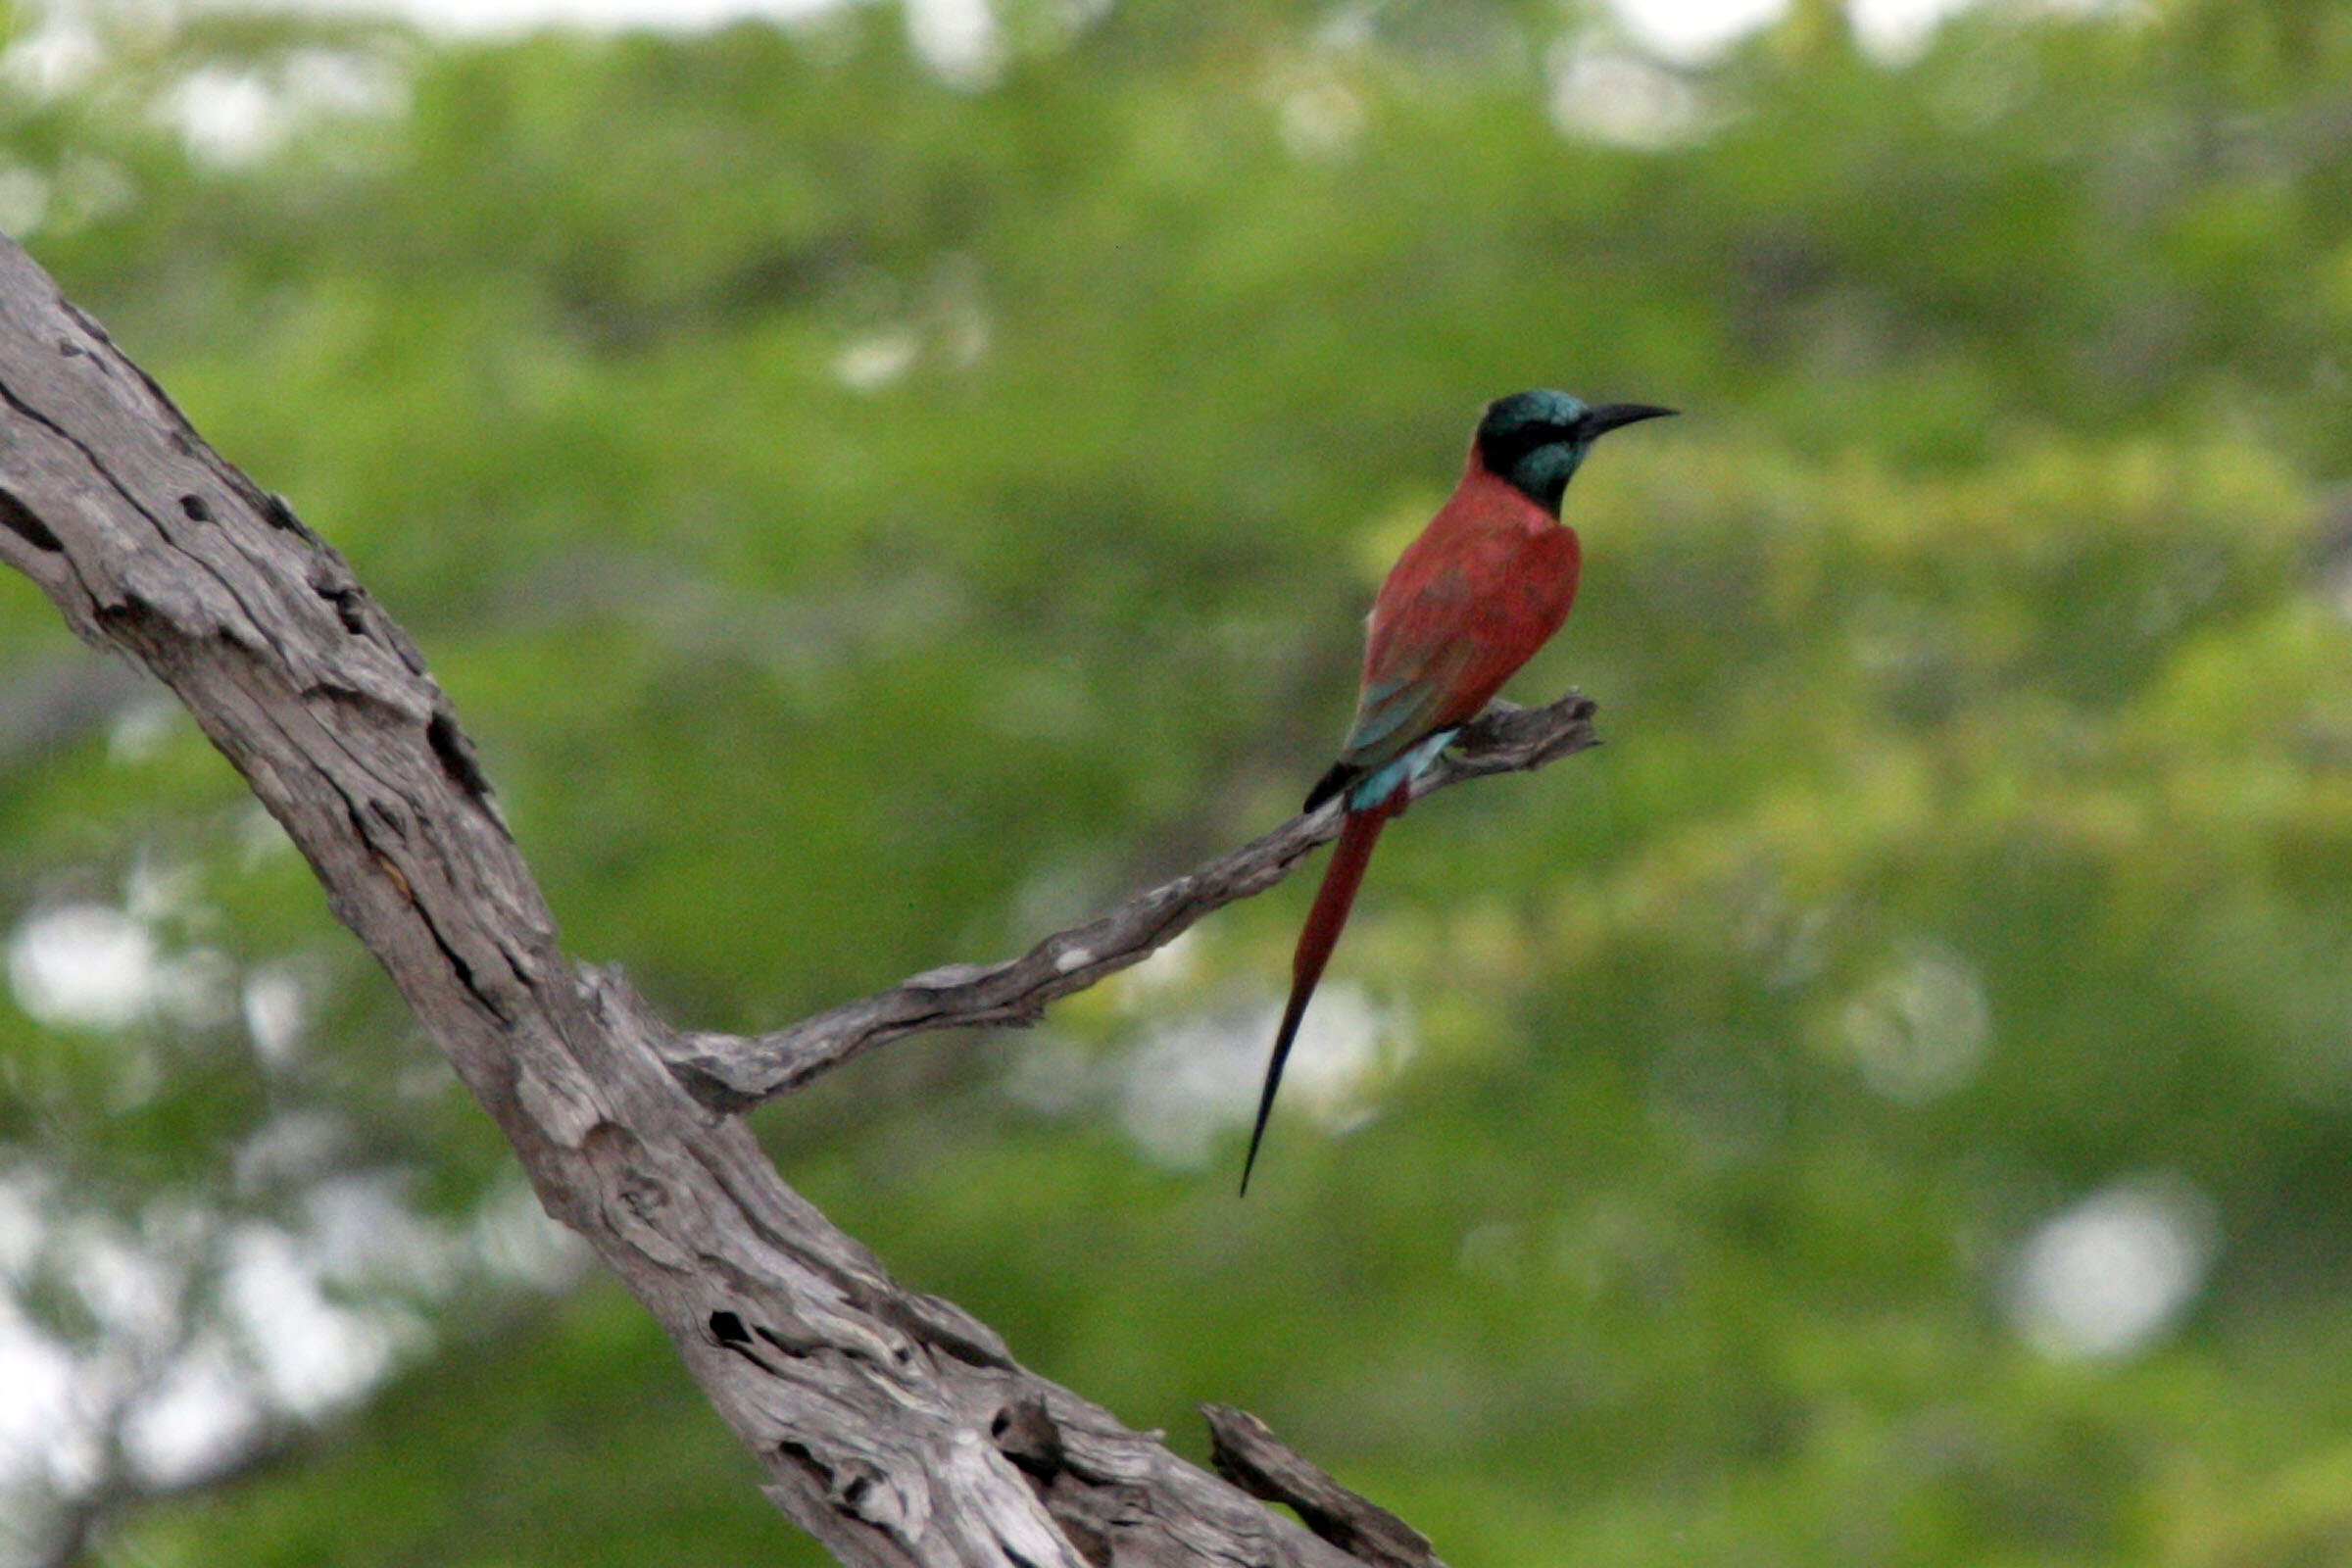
x: 1485, y: 586
x: 1470, y: 600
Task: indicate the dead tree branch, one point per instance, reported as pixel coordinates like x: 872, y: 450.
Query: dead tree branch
x: 730, y: 1073
x: 894, y: 1426
x: 1246, y: 1454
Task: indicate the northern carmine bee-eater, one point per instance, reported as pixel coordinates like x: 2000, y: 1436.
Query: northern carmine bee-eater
x: 1470, y: 600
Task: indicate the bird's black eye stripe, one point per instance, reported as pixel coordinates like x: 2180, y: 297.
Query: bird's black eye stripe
x: 1503, y: 447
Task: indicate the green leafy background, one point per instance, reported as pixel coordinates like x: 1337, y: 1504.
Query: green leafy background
x: 1889, y: 1106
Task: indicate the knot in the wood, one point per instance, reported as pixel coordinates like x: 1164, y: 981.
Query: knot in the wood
x: 1025, y: 1433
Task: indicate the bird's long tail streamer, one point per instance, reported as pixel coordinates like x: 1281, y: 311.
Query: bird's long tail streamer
x: 1321, y: 934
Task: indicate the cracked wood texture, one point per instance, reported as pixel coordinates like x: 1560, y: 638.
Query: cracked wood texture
x: 894, y: 1426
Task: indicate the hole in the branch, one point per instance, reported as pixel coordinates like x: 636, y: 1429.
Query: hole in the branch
x: 449, y: 743
x: 125, y: 614
x: 195, y: 508
x: 1025, y: 1433
x: 346, y: 600
x: 18, y: 518
x: 728, y: 1330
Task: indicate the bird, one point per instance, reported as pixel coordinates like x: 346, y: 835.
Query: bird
x: 1470, y: 600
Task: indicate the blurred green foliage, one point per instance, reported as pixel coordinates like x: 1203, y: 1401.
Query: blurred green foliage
x: 1891, y: 1105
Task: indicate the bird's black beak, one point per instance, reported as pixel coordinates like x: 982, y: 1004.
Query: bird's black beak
x: 1610, y: 415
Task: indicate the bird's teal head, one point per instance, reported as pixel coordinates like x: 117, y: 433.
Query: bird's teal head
x: 1535, y: 440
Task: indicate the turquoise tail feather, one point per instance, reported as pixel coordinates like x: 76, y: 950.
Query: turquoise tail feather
x: 1394, y: 778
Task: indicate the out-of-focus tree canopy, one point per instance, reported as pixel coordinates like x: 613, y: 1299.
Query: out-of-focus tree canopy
x: 1891, y: 1105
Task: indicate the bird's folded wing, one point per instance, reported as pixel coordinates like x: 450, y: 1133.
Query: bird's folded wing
x: 1395, y: 715
x: 1429, y: 666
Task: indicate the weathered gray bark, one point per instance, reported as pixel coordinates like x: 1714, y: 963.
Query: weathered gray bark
x: 895, y: 1426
